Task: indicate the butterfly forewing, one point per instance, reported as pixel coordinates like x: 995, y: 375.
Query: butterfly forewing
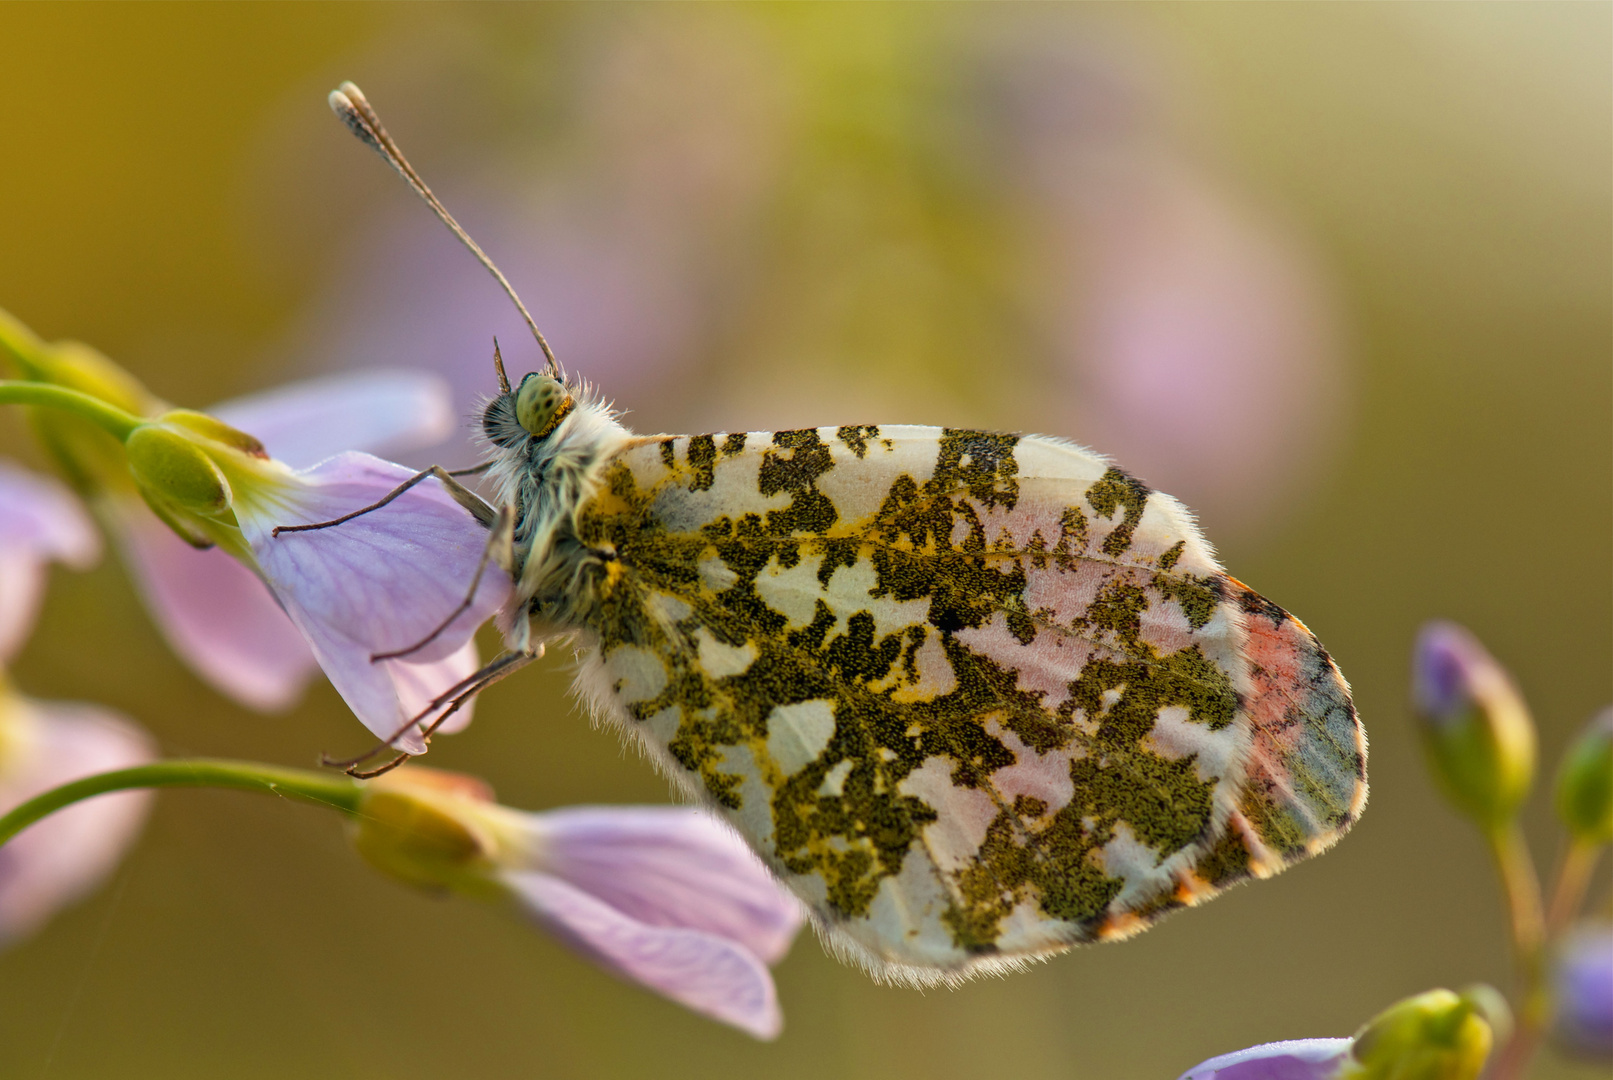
x: 976, y: 697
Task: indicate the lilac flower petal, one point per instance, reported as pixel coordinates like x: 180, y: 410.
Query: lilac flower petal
x: 215, y: 614
x: 1293, y: 1059
x: 672, y: 866
x: 704, y: 972
x: 378, y: 411
x: 376, y: 584
x: 63, y: 857
x: 419, y: 684
x: 39, y: 521
x: 1584, y: 993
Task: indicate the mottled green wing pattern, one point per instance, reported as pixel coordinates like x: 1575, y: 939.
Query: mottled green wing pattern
x: 976, y: 697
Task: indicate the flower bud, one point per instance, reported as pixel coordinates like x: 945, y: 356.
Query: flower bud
x: 1585, y: 783
x: 1438, y: 1035
x: 174, y: 470
x: 1583, y: 992
x: 431, y: 829
x: 211, y: 427
x: 1476, y: 727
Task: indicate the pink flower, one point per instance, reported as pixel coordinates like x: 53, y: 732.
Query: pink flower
x: 39, y: 521
x: 56, y: 861
x: 667, y: 897
x: 376, y: 584
x: 1198, y: 336
x: 1293, y: 1059
x: 334, y: 597
x: 44, y: 744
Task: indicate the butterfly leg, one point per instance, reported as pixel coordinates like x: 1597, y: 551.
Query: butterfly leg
x: 454, y: 697
x: 473, y: 503
x: 500, y: 543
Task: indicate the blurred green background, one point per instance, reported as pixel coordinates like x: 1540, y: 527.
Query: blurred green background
x: 749, y: 217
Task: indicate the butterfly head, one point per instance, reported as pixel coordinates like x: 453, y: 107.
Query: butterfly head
x: 531, y: 411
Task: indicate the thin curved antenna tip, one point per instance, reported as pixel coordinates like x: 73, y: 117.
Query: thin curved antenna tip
x: 498, y: 368
x: 353, y: 109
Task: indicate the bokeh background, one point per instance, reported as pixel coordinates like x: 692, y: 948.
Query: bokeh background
x: 1337, y: 275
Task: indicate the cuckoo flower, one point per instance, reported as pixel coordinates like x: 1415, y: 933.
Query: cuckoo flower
x: 43, y: 744
x: 214, y: 610
x: 377, y: 585
x: 1438, y: 1035
x: 667, y: 897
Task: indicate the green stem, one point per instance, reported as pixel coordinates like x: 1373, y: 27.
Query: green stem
x: 1522, y: 886
x: 305, y: 785
x: 1573, y: 878
x: 109, y: 417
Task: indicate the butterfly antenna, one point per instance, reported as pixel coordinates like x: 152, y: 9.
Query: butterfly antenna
x: 351, y: 107
x: 498, y: 368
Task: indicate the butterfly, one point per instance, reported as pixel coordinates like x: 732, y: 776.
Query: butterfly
x: 974, y: 697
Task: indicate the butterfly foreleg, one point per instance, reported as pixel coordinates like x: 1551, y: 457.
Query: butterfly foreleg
x: 449, y: 701
x: 473, y: 503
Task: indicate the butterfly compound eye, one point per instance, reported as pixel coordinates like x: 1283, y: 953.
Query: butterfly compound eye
x: 540, y: 403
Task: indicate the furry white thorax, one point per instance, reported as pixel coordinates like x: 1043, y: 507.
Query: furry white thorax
x: 542, y: 481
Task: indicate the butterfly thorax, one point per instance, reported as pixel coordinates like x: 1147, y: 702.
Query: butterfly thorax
x: 543, y: 479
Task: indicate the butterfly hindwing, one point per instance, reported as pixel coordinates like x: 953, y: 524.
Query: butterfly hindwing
x: 976, y: 697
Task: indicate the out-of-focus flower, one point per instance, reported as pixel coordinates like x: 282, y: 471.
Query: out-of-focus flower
x: 39, y: 522
x: 1476, y: 726
x: 1585, y: 783
x: 1583, y: 979
x: 1197, y: 336
x: 625, y: 230
x: 44, y: 744
x: 1439, y: 1035
x: 667, y: 897
x: 1294, y: 1059
x: 54, y: 862
x: 378, y: 584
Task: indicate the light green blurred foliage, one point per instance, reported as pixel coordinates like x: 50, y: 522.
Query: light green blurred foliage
x: 177, y: 194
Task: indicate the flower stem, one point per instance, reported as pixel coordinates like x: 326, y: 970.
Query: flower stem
x: 1573, y: 878
x: 1522, y: 886
x: 111, y: 418
x: 306, y: 785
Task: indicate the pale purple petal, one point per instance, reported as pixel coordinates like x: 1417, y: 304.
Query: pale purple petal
x: 378, y: 411
x: 376, y: 584
x: 39, y: 521
x: 1294, y: 1059
x: 704, y: 972
x: 1584, y: 993
x: 671, y: 866
x: 418, y: 685
x: 56, y: 861
x: 215, y: 613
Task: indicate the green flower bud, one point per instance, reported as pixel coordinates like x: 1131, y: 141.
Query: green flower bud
x: 1476, y: 727
x: 1585, y: 782
x: 172, y: 469
x: 210, y: 427
x: 1438, y: 1035
x: 431, y: 829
